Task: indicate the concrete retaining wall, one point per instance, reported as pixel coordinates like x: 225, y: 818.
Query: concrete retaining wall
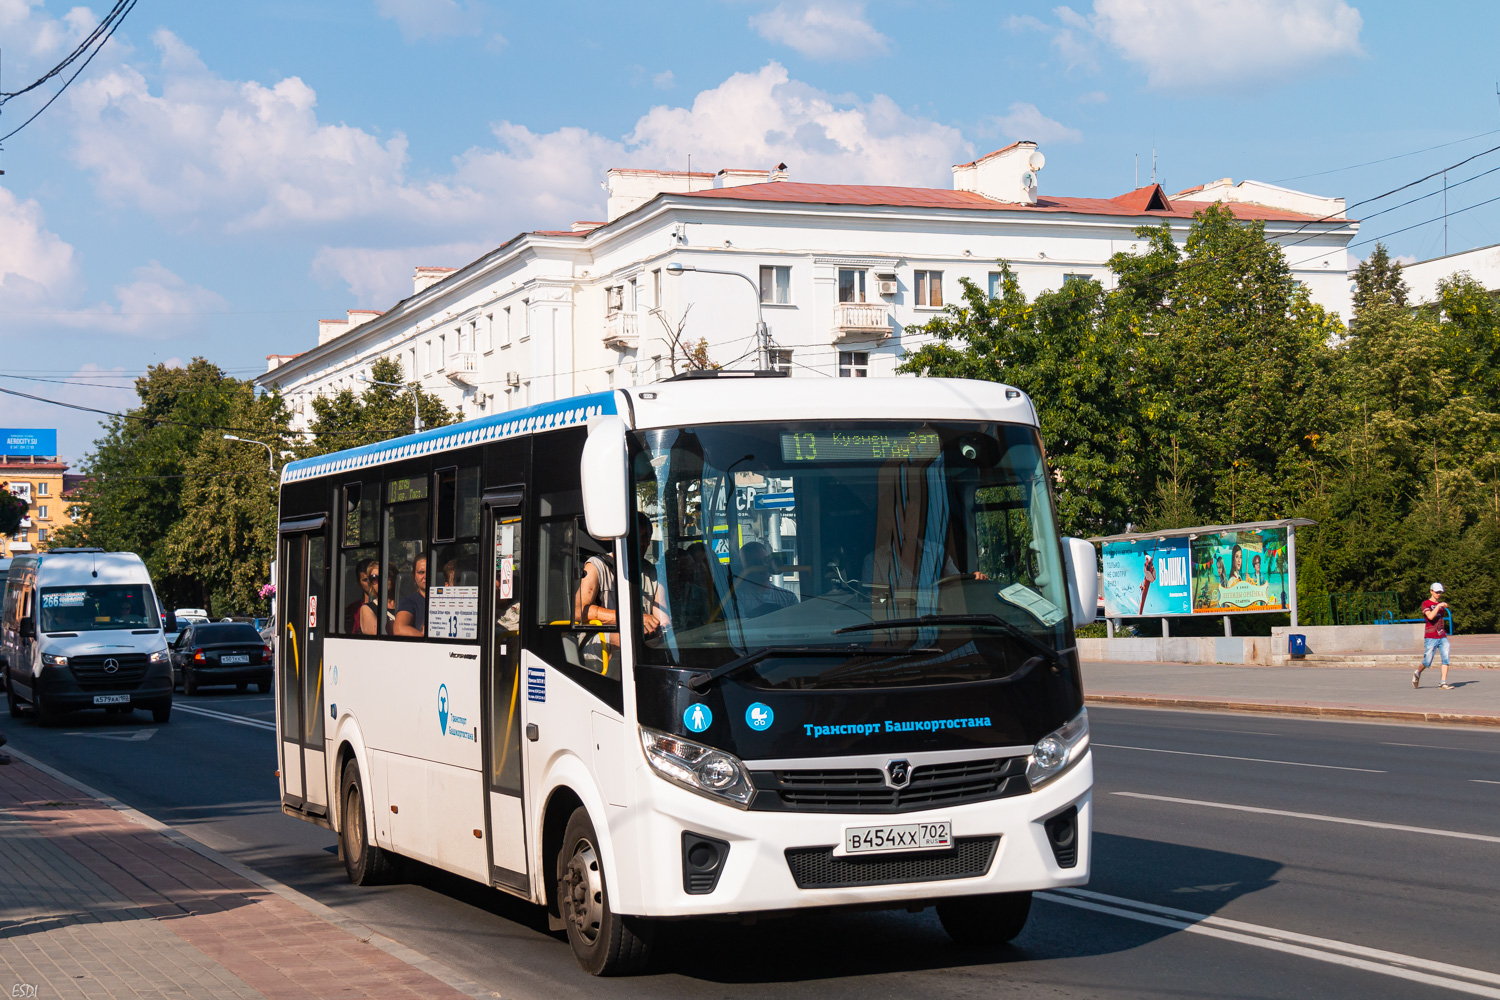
x: 1256, y: 649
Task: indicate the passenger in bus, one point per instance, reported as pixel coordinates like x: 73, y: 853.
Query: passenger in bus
x: 367, y: 614
x: 754, y: 593
x: 597, y: 600
x: 411, y: 612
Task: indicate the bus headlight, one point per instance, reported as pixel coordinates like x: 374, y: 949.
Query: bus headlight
x: 698, y: 768
x: 1058, y: 750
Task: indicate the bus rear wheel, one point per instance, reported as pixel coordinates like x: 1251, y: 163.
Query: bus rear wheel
x: 604, y: 942
x: 366, y: 862
x: 985, y: 920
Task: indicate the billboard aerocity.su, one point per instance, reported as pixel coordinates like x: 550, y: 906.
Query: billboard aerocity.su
x: 1231, y: 572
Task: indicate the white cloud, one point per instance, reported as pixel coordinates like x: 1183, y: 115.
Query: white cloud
x: 1093, y: 97
x: 158, y: 303
x: 432, y: 18
x: 381, y: 277
x: 36, y: 265
x: 663, y: 80
x: 1025, y: 121
x: 1193, y: 43
x: 822, y: 29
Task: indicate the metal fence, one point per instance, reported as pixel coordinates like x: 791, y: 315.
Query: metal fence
x: 1359, y: 608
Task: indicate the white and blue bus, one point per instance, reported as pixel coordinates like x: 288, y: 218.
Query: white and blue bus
x: 717, y: 645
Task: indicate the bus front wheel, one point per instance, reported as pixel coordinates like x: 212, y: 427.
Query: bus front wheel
x: 985, y: 920
x: 366, y: 862
x: 604, y: 942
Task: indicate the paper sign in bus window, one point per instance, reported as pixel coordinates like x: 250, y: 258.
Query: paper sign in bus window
x: 453, y: 613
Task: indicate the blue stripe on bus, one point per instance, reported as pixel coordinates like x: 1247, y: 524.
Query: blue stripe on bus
x: 544, y: 416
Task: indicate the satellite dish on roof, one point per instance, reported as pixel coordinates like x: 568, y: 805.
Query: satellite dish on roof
x: 1036, y: 161
x: 1028, y: 181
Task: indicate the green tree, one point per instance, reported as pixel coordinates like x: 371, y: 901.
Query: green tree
x: 379, y: 413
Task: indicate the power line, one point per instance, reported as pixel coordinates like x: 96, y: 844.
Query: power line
x: 111, y: 21
x: 1385, y: 159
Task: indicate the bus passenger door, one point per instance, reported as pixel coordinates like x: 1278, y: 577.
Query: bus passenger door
x: 504, y: 812
x: 299, y: 673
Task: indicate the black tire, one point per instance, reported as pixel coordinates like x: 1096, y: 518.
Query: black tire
x: 189, y: 681
x: 366, y: 862
x: 163, y: 715
x: 45, y: 717
x: 604, y: 942
x: 12, y: 702
x: 985, y: 920
x: 264, y: 687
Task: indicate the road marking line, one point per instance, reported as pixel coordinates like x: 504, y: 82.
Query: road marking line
x: 1430, y: 746
x: 1457, y: 834
x: 1354, y: 956
x: 1221, y: 756
x: 1482, y: 781
x: 224, y: 716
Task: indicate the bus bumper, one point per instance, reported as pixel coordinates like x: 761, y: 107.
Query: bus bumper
x: 758, y: 873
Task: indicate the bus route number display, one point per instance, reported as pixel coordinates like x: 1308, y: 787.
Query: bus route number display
x: 402, y: 490
x: 862, y: 446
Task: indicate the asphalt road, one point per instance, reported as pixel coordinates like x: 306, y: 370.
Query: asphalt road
x: 1359, y: 860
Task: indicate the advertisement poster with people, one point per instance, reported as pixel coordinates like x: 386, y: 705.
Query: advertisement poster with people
x: 1147, y: 577
x: 1240, y: 571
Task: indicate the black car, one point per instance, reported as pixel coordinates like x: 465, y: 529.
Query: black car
x: 221, y: 653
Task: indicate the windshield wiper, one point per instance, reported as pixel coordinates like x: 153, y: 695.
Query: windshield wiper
x: 700, y: 682
x: 971, y: 621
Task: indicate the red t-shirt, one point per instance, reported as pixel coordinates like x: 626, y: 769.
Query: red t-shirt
x: 1437, y: 627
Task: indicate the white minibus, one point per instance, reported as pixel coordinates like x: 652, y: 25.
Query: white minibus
x: 722, y: 645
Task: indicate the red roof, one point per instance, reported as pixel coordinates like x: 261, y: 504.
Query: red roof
x: 996, y: 152
x: 793, y: 192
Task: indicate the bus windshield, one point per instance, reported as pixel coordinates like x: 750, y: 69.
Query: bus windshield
x: 868, y: 553
x: 97, y: 608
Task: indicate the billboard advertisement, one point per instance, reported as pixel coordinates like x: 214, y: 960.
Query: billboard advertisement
x: 1240, y: 571
x: 1147, y: 577
x: 28, y: 441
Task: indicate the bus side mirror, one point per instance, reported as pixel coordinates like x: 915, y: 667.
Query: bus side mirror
x: 27, y: 628
x: 1083, y: 580
x: 606, y: 486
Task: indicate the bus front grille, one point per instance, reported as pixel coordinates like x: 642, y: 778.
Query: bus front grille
x: 865, y: 790
x: 93, y: 673
x: 819, y: 868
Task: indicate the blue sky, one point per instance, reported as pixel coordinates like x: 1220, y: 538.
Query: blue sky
x: 225, y: 174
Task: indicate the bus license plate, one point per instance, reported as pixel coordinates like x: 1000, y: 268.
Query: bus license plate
x: 111, y: 699
x: 933, y: 836
x: 235, y: 658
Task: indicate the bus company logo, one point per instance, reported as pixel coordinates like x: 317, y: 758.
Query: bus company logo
x: 443, y: 708
x: 897, y: 773
x: 111, y: 665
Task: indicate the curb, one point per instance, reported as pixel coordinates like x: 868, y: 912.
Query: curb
x: 364, y: 933
x: 1315, y: 711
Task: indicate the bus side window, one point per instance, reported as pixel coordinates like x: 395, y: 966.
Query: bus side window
x: 559, y: 572
x: 359, y: 563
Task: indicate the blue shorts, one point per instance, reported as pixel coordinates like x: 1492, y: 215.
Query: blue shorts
x: 1428, y: 645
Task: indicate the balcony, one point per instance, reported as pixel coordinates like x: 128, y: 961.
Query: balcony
x: 622, y: 330
x: 463, y: 368
x: 861, y: 321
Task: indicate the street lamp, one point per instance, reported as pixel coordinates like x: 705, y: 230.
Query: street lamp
x: 270, y: 454
x: 762, y: 335
x: 416, y: 404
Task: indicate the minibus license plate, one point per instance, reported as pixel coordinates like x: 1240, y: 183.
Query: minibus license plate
x: 111, y: 699
x: 235, y: 658
x: 934, y: 836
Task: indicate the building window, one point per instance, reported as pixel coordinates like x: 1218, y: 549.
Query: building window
x: 854, y: 364
x: 525, y: 319
x: 781, y: 360
x: 21, y: 535
x: 41, y: 534
x: 1068, y: 279
x: 41, y: 511
x: 776, y: 285
x: 614, y: 298
x: 427, y: 357
x: 631, y: 292
x: 442, y: 351
x: 995, y: 284
x: 656, y: 288
x: 505, y: 327
x: 851, y: 285
x: 41, y: 489
x: 489, y: 333
x: 929, y: 288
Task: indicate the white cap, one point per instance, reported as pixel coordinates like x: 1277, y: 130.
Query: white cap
x: 1437, y: 588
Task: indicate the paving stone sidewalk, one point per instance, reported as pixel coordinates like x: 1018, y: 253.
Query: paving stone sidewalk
x: 94, y: 904
x: 1333, y: 692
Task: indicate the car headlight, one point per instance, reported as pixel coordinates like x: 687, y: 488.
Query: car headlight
x: 1058, y: 750
x: 54, y: 661
x: 160, y: 656
x: 698, y: 768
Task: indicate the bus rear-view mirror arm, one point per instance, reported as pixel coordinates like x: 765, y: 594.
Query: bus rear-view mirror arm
x: 606, y: 480
x: 1083, y: 580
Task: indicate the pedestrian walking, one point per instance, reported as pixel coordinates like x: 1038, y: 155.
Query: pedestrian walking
x: 1435, y: 613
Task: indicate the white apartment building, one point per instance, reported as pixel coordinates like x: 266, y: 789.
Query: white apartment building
x: 837, y: 273
x: 1422, y: 277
